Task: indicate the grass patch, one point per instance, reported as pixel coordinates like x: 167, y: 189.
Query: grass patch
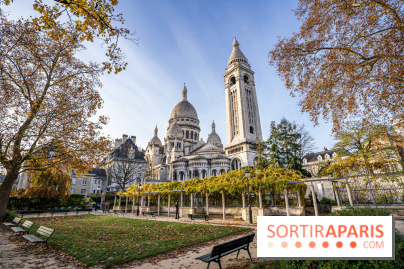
x: 106, y: 240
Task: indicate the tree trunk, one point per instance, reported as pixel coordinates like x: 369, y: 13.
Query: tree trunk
x: 5, y: 190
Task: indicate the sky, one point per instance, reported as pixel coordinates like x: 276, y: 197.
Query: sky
x: 190, y: 42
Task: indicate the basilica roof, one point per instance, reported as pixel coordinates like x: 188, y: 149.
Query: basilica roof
x: 214, y: 138
x: 175, y: 130
x: 236, y: 54
x: 210, y: 149
x: 155, y: 140
x: 184, y: 109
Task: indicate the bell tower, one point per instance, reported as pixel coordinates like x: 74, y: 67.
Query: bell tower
x: 242, y: 115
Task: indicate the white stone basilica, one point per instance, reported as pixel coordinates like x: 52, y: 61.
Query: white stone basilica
x: 185, y: 155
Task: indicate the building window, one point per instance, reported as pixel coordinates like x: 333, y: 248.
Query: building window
x: 84, y: 181
x: 83, y: 191
x: 187, y: 134
x: 74, y: 181
x: 71, y: 190
x: 251, y: 129
x: 232, y: 81
x: 192, y: 135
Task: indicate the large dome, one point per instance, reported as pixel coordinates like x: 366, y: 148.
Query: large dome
x: 184, y: 109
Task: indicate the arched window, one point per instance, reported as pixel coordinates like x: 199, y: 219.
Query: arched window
x: 214, y: 172
x: 203, y: 174
x: 235, y: 164
x: 189, y: 175
x: 187, y: 134
x: 232, y: 81
x: 196, y: 173
x: 192, y: 134
x: 251, y: 130
x: 246, y: 79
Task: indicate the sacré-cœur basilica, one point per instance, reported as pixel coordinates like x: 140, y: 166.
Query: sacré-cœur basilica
x: 184, y: 155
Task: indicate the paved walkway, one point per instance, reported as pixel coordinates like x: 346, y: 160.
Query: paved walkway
x: 12, y: 255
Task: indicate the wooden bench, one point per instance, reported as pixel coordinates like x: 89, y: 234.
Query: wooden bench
x: 153, y: 214
x: 65, y: 211
x: 15, y: 222
x: 30, y: 212
x: 24, y: 230
x: 117, y: 212
x: 226, y: 248
x: 44, y: 232
x: 83, y: 210
x: 193, y: 217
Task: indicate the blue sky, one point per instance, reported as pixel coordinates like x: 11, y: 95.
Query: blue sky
x: 190, y: 42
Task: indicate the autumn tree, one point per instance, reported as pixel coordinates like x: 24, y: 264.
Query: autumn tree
x: 47, y: 99
x: 346, y: 61
x: 95, y: 19
x: 363, y: 148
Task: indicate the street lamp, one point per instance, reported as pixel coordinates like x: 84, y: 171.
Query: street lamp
x: 139, y: 185
x: 247, y: 175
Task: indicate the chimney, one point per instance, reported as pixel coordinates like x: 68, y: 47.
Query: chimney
x: 118, y: 142
x: 133, y: 138
x: 124, y: 138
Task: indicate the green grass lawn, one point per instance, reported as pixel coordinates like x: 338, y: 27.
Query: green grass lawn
x: 105, y: 240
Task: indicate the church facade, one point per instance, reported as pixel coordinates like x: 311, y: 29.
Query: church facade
x: 184, y: 154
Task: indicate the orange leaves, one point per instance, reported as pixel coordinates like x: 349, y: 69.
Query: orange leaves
x: 347, y: 60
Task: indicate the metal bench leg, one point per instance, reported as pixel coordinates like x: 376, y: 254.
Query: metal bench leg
x: 249, y: 254
x: 32, y: 248
x: 220, y: 265
x: 238, y: 253
x: 208, y: 265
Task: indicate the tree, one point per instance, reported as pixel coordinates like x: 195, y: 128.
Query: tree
x: 95, y: 19
x: 125, y: 172
x: 287, y: 144
x: 47, y: 98
x: 346, y: 61
x: 364, y: 148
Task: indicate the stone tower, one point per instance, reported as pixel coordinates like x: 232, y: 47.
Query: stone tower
x: 242, y: 115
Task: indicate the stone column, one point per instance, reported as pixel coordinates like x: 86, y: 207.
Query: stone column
x: 182, y: 199
x: 114, y: 202
x: 313, y: 194
x: 148, y: 201
x: 348, y: 190
x: 285, y: 192
x: 158, y: 205
x: 299, y: 202
x: 120, y: 200
x: 142, y: 201
x: 336, y: 193
x: 207, y: 204
x: 260, y: 197
x: 169, y: 203
x: 243, y: 199
x: 192, y: 200
x: 133, y: 204
x: 126, y: 205
x: 224, y: 207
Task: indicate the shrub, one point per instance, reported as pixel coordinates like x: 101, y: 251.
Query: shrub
x: 361, y: 211
x: 10, y: 215
x: 327, y: 201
